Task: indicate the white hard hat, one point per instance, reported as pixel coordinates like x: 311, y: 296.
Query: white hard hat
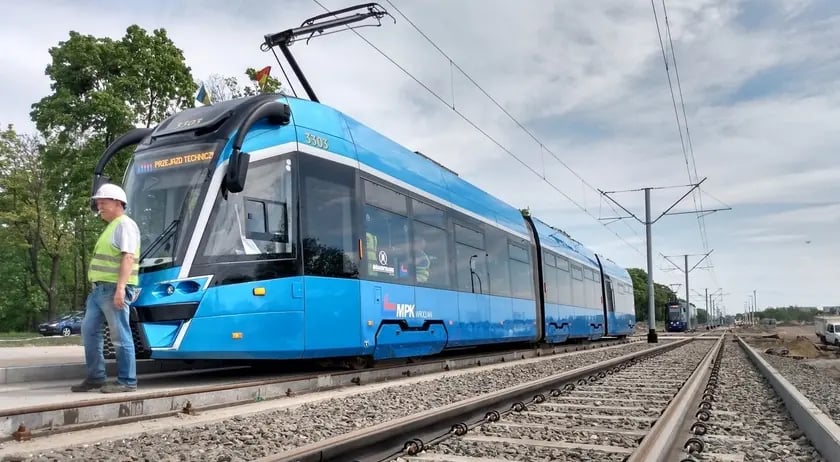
x: 110, y: 191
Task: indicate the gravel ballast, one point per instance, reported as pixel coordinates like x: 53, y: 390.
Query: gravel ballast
x: 258, y: 435
x: 600, y: 421
x: 748, y: 418
x: 819, y: 386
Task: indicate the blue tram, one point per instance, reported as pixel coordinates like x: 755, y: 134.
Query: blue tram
x: 676, y: 321
x: 275, y: 227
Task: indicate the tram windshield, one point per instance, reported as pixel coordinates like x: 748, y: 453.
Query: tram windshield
x: 675, y: 313
x: 162, y: 186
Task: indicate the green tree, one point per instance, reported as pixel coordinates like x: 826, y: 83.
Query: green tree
x: 30, y: 209
x: 19, y: 299
x: 223, y: 88
x: 100, y: 88
x: 790, y: 314
x: 702, y: 316
x: 662, y: 295
x: 154, y: 77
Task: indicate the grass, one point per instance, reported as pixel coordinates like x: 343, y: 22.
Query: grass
x: 20, y: 339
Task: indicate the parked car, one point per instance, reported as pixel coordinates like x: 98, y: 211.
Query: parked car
x: 66, y: 325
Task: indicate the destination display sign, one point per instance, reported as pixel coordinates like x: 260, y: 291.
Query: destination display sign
x: 151, y: 165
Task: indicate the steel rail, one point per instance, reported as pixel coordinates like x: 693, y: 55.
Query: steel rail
x: 387, y: 439
x: 664, y: 435
x: 820, y: 429
x: 277, y: 380
x: 48, y: 419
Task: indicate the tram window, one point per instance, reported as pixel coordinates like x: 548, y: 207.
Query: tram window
x: 518, y: 253
x: 431, y: 259
x: 549, y: 259
x: 578, y: 288
x: 329, y: 243
x: 386, y: 245
x: 469, y: 236
x: 428, y: 214
x: 552, y: 289
x: 254, y: 224
x: 521, y: 280
x: 594, y: 293
x: 385, y: 198
x: 521, y: 274
x: 497, y: 262
x: 562, y: 264
x: 564, y: 284
x: 265, y: 220
x: 471, y: 269
x: 255, y: 216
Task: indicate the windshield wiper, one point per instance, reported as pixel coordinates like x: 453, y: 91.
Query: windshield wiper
x: 160, y: 239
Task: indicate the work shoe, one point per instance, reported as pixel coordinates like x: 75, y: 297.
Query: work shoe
x: 117, y: 388
x: 86, y: 385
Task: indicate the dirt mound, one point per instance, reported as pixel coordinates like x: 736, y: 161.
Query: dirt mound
x: 799, y: 347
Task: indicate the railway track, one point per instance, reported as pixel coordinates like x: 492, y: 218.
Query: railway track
x: 743, y: 416
x: 94, y: 410
x: 686, y: 401
x: 531, y: 421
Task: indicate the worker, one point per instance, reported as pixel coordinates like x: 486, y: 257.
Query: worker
x: 113, y: 272
x: 371, y: 245
x: 422, y: 262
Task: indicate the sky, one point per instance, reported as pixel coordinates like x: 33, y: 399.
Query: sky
x: 587, y: 107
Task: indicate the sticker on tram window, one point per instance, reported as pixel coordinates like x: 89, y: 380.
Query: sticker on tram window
x: 174, y: 161
x: 382, y: 267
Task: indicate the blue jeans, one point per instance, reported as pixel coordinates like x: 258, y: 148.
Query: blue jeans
x: 100, y: 309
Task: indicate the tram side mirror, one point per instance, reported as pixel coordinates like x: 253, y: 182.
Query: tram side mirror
x: 237, y: 172
x: 277, y: 114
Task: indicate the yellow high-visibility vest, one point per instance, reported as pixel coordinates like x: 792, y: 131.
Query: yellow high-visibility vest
x: 371, y: 245
x: 105, y: 262
x: 422, y: 266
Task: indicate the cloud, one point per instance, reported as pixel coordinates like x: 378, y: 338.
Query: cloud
x: 777, y: 238
x: 807, y: 215
x: 587, y: 79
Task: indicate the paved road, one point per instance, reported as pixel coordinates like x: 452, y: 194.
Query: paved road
x: 35, y: 355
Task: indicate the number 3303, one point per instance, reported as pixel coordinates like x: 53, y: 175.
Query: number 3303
x: 317, y: 141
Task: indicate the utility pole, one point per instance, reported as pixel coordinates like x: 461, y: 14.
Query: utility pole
x: 713, y: 300
x: 652, y: 337
x: 752, y: 310
x: 686, y: 270
x: 755, y: 302
x: 687, y: 301
x: 651, y: 302
x: 714, y: 310
x: 749, y: 309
